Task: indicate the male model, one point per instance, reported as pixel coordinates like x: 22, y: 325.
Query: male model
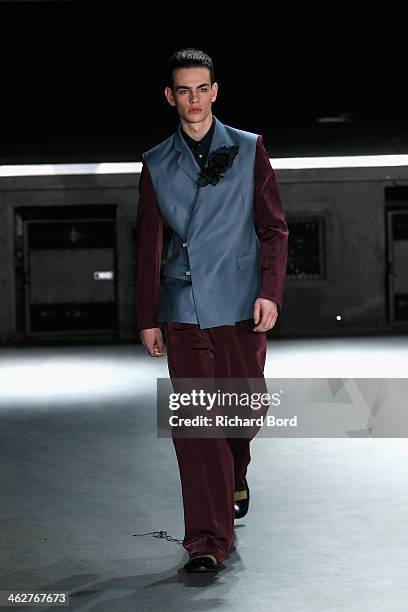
x: 224, y: 279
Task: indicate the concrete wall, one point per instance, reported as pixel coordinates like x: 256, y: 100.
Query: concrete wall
x: 352, y: 202
x: 121, y: 190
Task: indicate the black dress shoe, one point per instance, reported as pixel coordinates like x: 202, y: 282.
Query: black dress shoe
x: 241, y: 499
x: 202, y: 564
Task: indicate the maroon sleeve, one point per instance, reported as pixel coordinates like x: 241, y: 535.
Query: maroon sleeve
x: 148, y: 251
x: 271, y: 228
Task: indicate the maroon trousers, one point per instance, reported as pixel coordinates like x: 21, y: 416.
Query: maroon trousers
x: 211, y: 467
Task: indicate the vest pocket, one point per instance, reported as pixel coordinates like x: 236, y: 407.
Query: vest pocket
x: 244, y: 261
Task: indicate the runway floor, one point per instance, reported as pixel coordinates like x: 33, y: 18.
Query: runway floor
x: 82, y: 470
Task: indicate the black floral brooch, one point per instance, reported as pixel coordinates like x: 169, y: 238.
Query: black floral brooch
x: 218, y: 162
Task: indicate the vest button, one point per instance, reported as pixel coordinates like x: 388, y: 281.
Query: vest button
x: 188, y: 273
x: 185, y: 244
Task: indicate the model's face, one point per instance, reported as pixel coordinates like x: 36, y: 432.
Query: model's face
x: 192, y: 90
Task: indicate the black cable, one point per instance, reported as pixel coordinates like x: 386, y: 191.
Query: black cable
x: 160, y: 534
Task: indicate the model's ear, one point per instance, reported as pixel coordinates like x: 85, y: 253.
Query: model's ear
x: 169, y: 95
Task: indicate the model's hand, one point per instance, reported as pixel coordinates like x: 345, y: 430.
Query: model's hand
x: 265, y: 314
x: 152, y: 340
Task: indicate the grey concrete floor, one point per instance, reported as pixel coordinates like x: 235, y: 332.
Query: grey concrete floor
x: 82, y: 470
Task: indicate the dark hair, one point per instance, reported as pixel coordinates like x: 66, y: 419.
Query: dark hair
x: 187, y: 58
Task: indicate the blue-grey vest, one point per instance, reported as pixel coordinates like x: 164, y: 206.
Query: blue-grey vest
x: 212, y: 272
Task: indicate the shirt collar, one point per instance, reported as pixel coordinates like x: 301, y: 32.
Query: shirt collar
x: 206, y: 138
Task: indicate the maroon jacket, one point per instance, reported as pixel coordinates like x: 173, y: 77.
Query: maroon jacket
x: 270, y: 226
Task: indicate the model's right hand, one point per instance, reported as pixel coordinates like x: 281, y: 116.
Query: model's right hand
x: 152, y: 340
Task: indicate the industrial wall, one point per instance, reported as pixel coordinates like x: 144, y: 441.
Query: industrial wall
x: 67, y: 267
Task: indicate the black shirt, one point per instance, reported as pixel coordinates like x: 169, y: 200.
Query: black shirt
x: 200, y: 148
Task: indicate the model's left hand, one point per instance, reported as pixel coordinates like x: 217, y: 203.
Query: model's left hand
x: 265, y: 314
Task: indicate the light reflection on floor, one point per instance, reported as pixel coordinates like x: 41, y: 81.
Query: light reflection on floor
x: 52, y: 374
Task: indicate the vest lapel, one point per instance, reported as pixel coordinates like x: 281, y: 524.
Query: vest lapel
x: 186, y: 159
x: 187, y: 162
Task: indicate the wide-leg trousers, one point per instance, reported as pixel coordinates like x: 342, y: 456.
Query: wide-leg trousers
x: 211, y: 467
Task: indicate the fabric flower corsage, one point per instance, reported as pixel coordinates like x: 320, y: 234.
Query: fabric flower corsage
x: 218, y: 162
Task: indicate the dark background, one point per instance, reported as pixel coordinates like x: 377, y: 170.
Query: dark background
x: 82, y: 81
